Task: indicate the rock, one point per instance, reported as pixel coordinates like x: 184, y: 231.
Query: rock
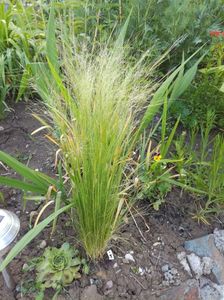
x: 165, y: 268
x: 171, y: 275
x: 109, y: 285
x: 43, y: 244
x: 211, y: 291
x: 181, y: 229
x: 205, y: 247
x: 219, y: 240
x: 188, y: 290
x: 90, y: 293
x: 141, y: 271
x: 1, y: 128
x: 115, y: 265
x: 183, y: 261
x: 195, y: 264
x: 129, y: 257
x: 25, y: 267
x: 156, y: 244
x: 207, y: 265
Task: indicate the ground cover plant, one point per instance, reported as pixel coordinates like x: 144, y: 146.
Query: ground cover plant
x: 56, y: 268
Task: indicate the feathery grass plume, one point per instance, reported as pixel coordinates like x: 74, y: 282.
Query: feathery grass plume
x: 95, y: 99
x: 96, y: 123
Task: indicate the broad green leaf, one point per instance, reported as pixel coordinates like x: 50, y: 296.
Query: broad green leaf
x: 40, y: 179
x: 120, y: 39
x: 183, y: 82
x: 158, y: 98
x: 18, y: 184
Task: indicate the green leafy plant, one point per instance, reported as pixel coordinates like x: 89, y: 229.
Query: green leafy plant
x: 57, y: 268
x: 37, y: 182
x: 21, y: 42
x: 155, y: 167
x: 202, y: 164
x: 206, y: 91
x: 183, y: 24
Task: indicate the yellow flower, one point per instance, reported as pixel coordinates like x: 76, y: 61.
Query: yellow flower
x: 157, y: 157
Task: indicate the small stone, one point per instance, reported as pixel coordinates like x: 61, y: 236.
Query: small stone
x: 115, y: 265
x: 205, y: 246
x: 165, y: 268
x: 129, y: 257
x: 188, y: 290
x: 195, y: 264
x: 209, y: 290
x: 141, y: 271
x: 1, y: 128
x: 156, y: 244
x: 183, y: 261
x: 25, y: 266
x: 18, y: 212
x: 174, y: 271
x: 109, y: 285
x: 125, y: 261
x: 43, y: 244
x: 181, y: 229
x: 219, y: 240
x: 207, y: 264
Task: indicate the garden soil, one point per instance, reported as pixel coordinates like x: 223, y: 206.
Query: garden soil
x: 145, y: 246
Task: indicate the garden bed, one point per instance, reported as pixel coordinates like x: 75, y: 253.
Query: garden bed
x: 151, y: 238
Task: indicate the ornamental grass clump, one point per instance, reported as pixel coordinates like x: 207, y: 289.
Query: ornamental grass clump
x: 98, y: 102
x: 96, y: 124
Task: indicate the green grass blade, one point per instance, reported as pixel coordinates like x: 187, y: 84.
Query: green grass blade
x: 185, y: 186
x: 164, y: 119
x: 57, y: 207
x: 170, y: 138
x: 40, y: 179
x: 18, y: 184
x: 51, y: 47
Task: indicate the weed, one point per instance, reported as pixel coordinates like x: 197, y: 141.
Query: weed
x: 155, y: 167
x: 203, y: 163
